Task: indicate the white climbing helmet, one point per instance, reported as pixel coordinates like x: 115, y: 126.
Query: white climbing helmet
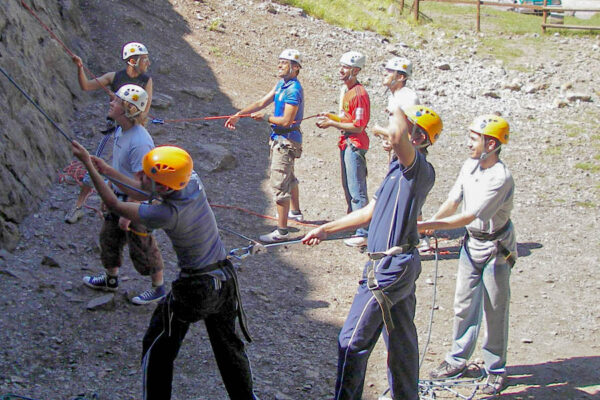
x: 292, y: 55
x: 399, y: 64
x: 133, y: 49
x: 135, y: 95
x: 353, y: 59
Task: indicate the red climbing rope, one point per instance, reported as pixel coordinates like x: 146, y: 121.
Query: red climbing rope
x: 260, y: 215
x: 69, y: 52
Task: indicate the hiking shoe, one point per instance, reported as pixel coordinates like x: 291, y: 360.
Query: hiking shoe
x: 274, y: 237
x: 359, y: 241
x: 102, y: 282
x: 74, y: 215
x: 495, y: 383
x: 153, y: 295
x: 296, y: 215
x: 445, y: 370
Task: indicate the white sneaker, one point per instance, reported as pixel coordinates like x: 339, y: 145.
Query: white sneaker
x: 291, y: 215
x: 424, y: 244
x: 297, y: 217
x: 358, y: 241
x: 74, y: 215
x: 273, y: 237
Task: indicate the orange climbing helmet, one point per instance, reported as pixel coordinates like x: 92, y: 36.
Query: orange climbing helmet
x: 491, y: 125
x: 169, y: 165
x: 426, y: 119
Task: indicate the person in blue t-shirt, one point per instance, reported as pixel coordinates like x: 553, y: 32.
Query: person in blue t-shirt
x: 206, y: 288
x: 286, y: 139
x: 386, y: 293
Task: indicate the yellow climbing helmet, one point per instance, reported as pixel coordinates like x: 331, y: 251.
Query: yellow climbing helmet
x: 426, y: 119
x: 491, y: 125
x: 169, y: 165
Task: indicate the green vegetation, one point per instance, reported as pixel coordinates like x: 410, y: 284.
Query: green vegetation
x: 215, y: 25
x: 215, y: 51
x: 372, y: 15
x: 553, y: 150
x: 588, y: 166
x: 586, y: 204
x: 497, y: 24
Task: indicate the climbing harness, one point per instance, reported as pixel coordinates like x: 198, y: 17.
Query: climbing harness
x: 429, y: 387
x: 114, y: 180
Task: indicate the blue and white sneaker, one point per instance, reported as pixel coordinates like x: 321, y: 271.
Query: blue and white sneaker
x: 152, y: 295
x: 102, y: 282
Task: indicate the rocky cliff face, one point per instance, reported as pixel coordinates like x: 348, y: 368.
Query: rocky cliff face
x: 31, y: 149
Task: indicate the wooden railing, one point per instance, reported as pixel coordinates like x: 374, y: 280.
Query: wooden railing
x: 545, y: 10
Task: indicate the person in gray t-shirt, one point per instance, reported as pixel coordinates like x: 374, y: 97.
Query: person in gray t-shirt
x: 132, y: 142
x: 207, y: 287
x: 485, y: 187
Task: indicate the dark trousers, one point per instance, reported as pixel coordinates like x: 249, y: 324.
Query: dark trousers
x: 361, y: 330
x: 192, y: 299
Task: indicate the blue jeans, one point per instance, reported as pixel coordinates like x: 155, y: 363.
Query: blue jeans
x: 354, y: 180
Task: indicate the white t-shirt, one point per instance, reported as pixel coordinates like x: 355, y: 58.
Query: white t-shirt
x: 488, y: 195
x: 402, y: 98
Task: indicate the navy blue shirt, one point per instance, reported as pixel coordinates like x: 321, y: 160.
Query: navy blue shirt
x: 398, y: 201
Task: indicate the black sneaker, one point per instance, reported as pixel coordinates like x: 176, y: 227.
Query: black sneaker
x: 495, y: 383
x: 445, y: 370
x: 102, y: 282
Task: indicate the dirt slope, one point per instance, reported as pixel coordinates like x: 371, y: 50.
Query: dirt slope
x: 297, y: 298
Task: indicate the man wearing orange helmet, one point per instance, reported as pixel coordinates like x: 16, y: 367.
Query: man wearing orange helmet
x: 385, y: 300
x: 132, y: 141
x: 485, y: 187
x: 206, y: 288
x: 136, y: 57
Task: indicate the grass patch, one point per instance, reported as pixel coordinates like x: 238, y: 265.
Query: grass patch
x: 496, y: 23
x: 215, y: 25
x: 215, y: 51
x: 588, y: 166
x: 586, y: 204
x: 553, y: 150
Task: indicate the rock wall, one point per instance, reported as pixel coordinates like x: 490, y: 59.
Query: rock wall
x: 31, y: 149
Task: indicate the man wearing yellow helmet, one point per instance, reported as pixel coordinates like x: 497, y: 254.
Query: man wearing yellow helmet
x: 385, y: 300
x: 206, y: 288
x: 485, y: 187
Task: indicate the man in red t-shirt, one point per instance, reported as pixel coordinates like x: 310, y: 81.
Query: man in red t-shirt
x: 353, y: 143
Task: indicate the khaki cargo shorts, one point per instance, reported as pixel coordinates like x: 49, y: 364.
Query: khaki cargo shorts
x: 283, y: 155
